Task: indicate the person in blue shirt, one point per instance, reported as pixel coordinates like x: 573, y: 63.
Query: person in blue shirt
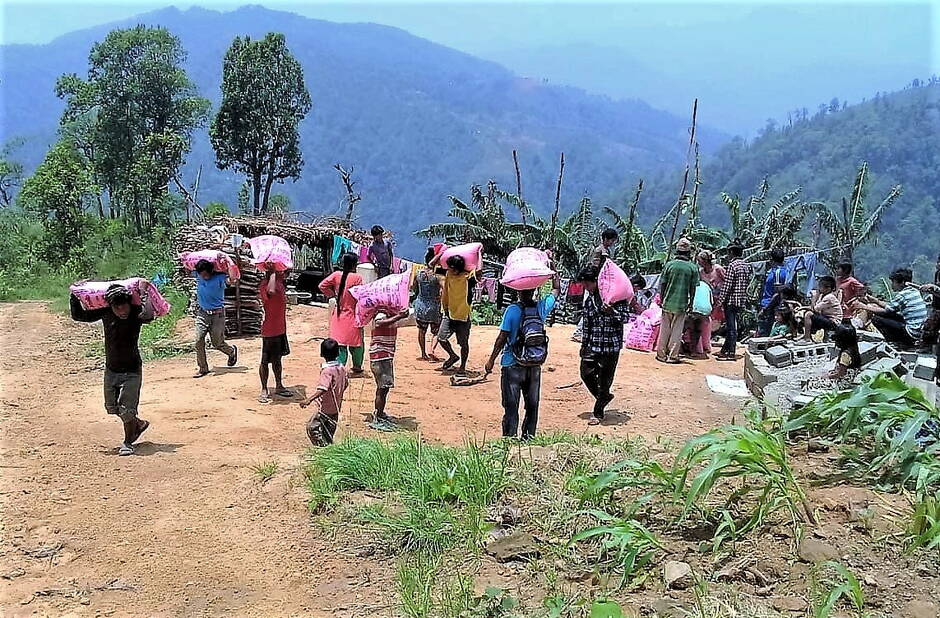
x: 521, y: 379
x: 210, y: 315
x: 775, y: 280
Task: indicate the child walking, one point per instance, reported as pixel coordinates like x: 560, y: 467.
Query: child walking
x: 330, y: 390
x: 382, y: 360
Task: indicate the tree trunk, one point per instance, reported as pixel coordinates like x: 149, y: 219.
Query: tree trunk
x: 256, y: 192
x: 267, y: 190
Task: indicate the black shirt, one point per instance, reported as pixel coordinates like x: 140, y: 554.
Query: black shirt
x: 122, y: 355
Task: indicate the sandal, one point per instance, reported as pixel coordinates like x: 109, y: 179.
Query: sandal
x: 264, y: 398
x: 234, y: 357
x: 594, y: 421
x: 201, y: 373
x: 125, y: 450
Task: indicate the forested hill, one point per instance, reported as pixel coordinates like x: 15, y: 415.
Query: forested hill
x: 417, y: 120
x: 898, y: 134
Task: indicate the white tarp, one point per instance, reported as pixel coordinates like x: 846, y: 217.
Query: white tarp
x: 727, y: 386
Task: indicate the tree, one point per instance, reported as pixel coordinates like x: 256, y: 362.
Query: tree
x: 243, y: 205
x: 851, y: 224
x: 11, y: 172
x: 58, y: 193
x: 279, y: 204
x: 760, y: 226
x: 138, y: 109
x: 352, y: 196
x: 264, y: 98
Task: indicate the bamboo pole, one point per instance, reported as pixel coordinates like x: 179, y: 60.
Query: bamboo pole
x: 685, y: 181
x: 561, y: 173
x: 515, y: 161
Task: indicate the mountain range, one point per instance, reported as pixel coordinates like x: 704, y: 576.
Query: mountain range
x: 417, y: 120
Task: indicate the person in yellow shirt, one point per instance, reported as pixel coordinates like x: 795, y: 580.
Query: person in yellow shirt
x: 456, y: 298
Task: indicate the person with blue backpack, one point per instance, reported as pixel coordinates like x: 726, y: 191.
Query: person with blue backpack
x: 523, y: 344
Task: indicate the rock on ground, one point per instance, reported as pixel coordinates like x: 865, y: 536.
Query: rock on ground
x: 515, y: 546
x: 920, y: 609
x: 814, y: 550
x: 677, y: 575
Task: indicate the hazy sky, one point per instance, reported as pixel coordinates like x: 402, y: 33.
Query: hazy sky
x: 746, y: 61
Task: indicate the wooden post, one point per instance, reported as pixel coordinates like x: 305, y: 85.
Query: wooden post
x: 515, y: 161
x: 238, y: 295
x: 561, y: 174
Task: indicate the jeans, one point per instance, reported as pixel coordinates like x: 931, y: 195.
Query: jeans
x: 597, y: 373
x: 892, y: 327
x: 213, y: 325
x: 524, y: 382
x: 731, y: 330
x: 122, y: 393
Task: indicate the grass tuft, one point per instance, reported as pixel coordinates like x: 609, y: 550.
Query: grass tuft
x: 265, y: 470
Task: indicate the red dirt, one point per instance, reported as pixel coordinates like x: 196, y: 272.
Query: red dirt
x: 185, y: 527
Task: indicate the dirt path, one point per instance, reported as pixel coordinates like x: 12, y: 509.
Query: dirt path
x: 186, y: 527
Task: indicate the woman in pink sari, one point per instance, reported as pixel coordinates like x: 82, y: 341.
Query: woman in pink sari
x: 714, y: 275
x: 343, y: 318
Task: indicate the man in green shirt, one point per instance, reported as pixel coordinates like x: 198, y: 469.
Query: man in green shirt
x: 676, y: 288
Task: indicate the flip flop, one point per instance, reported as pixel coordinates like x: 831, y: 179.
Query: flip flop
x: 201, y: 374
x: 264, y: 399
x: 383, y: 425
x: 284, y: 392
x: 125, y: 450
x: 234, y: 357
x: 594, y: 421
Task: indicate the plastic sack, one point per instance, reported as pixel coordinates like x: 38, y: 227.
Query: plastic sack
x: 220, y: 260
x: 91, y: 294
x: 614, y: 284
x: 272, y: 250
x: 388, y: 295
x: 642, y: 334
x: 526, y: 269
x: 472, y: 255
x: 702, y: 300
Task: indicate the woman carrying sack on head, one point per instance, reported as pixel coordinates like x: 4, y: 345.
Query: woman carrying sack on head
x: 343, y: 318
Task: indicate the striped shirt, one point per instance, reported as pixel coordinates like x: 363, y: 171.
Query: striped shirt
x: 911, y: 306
x: 384, y: 340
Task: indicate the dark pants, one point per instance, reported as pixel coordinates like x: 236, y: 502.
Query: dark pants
x: 731, y: 330
x: 765, y: 322
x: 597, y: 373
x: 931, y: 333
x: 524, y: 382
x: 892, y: 327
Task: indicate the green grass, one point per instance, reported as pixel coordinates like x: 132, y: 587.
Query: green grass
x: 923, y: 530
x: 156, y: 338
x: 625, y: 544
x: 265, y: 470
x: 833, y: 584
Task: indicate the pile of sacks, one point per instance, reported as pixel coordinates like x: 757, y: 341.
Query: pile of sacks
x: 91, y: 294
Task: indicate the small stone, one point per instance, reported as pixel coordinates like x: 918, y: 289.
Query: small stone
x: 789, y: 604
x: 667, y: 608
x: 515, y: 546
x: 815, y: 445
x: 677, y: 575
x: 920, y: 609
x: 813, y: 550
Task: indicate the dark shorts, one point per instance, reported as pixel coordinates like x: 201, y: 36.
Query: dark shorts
x: 455, y: 327
x: 384, y: 372
x: 122, y: 393
x: 821, y: 322
x: 273, y: 348
x: 434, y: 326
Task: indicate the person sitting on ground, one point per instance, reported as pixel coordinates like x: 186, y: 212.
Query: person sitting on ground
x: 784, y: 323
x: 642, y: 298
x: 274, y: 346
x: 427, y: 286
x: 849, y: 361
x: 601, y: 342
x: 825, y: 308
x: 901, y: 320
x: 123, y: 375
x: 456, y: 300
x: 382, y: 360
x: 602, y: 251
x: 850, y: 288
x: 776, y: 278
x: 930, y: 333
x: 343, y: 316
x: 523, y: 344
x: 732, y: 297
x: 677, y: 288
x: 380, y: 252
x: 210, y: 314
x: 331, y: 388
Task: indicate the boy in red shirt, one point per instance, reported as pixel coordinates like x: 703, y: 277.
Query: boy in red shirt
x: 330, y: 390
x: 850, y: 287
x: 381, y: 359
x: 274, y: 346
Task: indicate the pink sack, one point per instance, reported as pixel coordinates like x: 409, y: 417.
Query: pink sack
x: 272, y: 250
x: 388, y: 295
x: 654, y: 314
x: 91, y: 294
x: 641, y: 335
x: 526, y: 269
x: 472, y: 255
x: 219, y: 259
x: 614, y: 284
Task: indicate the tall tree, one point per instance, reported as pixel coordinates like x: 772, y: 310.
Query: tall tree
x: 264, y: 98
x: 11, y: 172
x: 142, y: 109
x: 58, y: 193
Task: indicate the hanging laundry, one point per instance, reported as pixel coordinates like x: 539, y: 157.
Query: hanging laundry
x: 803, y: 263
x: 340, y: 246
x: 363, y: 254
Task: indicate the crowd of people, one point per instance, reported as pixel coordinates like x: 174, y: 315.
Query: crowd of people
x: 699, y: 298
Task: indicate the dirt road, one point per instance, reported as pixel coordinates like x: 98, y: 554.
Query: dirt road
x: 186, y: 527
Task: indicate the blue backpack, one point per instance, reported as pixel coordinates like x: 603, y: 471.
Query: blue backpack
x: 531, y: 345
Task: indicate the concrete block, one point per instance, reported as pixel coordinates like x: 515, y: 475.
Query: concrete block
x: 812, y: 351
x: 778, y: 356
x: 756, y: 345
x: 757, y: 374
x: 924, y: 368
x: 909, y: 358
x: 883, y: 365
x: 869, y: 351
x: 799, y: 401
